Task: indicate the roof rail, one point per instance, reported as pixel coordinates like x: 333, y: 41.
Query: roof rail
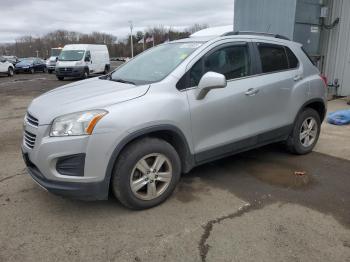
x: 256, y: 33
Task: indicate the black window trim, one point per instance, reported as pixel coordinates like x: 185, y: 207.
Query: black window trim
x: 258, y: 59
x: 252, y: 62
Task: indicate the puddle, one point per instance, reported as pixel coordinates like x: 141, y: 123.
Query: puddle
x: 280, y: 175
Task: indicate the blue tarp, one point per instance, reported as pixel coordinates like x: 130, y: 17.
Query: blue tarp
x: 339, y: 118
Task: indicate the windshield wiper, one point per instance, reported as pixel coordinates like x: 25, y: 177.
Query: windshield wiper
x: 122, y: 81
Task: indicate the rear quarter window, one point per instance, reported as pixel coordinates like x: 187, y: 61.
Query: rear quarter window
x: 292, y: 59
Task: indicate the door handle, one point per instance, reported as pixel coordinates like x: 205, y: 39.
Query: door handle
x: 251, y: 92
x: 298, y: 77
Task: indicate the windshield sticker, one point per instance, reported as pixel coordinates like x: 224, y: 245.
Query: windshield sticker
x: 183, y: 56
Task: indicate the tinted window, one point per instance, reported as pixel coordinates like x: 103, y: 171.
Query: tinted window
x: 232, y: 62
x: 273, y: 58
x: 307, y: 55
x: 196, y: 73
x: 292, y: 59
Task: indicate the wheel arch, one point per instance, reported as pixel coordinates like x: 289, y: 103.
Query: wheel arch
x: 169, y: 133
x: 317, y: 104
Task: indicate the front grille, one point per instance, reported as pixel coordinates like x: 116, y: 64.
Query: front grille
x: 66, y: 69
x: 32, y: 120
x: 29, y: 139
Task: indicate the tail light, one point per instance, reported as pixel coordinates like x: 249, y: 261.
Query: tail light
x: 325, y: 80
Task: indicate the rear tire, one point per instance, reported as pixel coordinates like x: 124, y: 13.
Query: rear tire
x: 61, y: 78
x: 157, y: 184
x: 305, y: 132
x: 49, y: 71
x: 10, y: 72
x: 32, y: 71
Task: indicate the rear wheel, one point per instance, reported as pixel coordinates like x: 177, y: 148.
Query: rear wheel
x: 50, y: 71
x: 32, y: 71
x: 60, y: 78
x: 305, y: 132
x: 10, y: 72
x: 44, y: 70
x: 146, y: 173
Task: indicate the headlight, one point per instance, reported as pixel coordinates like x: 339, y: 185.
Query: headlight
x: 76, y: 124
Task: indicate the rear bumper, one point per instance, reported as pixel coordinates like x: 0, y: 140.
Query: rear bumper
x: 70, y: 71
x: 76, y: 190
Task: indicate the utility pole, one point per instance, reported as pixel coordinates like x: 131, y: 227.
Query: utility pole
x: 131, y: 39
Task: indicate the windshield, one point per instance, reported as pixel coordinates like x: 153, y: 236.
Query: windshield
x: 27, y: 60
x: 155, y: 64
x: 71, y: 55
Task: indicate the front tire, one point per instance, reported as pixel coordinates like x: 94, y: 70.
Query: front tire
x: 61, y: 78
x: 10, y: 72
x: 306, y: 132
x: 86, y: 74
x: 146, y: 173
x: 32, y: 70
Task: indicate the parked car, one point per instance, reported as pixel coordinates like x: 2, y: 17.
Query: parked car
x: 6, y: 67
x: 12, y: 59
x: 31, y: 65
x: 171, y: 108
x: 81, y: 60
x: 52, y: 60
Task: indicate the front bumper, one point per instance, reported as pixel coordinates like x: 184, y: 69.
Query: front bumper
x: 76, y: 190
x: 43, y: 154
x: 76, y: 71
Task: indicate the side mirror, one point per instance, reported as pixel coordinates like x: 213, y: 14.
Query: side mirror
x: 209, y: 81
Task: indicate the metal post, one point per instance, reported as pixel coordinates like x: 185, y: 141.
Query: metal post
x: 131, y: 39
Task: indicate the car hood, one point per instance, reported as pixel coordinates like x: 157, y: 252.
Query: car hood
x: 89, y: 94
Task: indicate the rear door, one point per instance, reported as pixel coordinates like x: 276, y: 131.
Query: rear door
x: 279, y: 73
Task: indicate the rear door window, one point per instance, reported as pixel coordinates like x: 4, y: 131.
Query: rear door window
x: 273, y: 58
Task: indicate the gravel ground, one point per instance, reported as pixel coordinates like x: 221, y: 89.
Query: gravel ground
x: 249, y: 207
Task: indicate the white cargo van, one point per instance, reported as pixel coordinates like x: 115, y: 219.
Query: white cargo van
x: 82, y: 60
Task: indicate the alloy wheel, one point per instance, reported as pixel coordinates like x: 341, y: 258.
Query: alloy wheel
x: 308, y: 132
x: 151, y: 176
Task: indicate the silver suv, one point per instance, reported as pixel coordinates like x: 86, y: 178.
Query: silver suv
x: 171, y: 108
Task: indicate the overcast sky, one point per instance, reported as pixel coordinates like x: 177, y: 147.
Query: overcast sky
x: 37, y: 17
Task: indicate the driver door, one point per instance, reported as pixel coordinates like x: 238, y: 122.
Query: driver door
x: 222, y: 122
